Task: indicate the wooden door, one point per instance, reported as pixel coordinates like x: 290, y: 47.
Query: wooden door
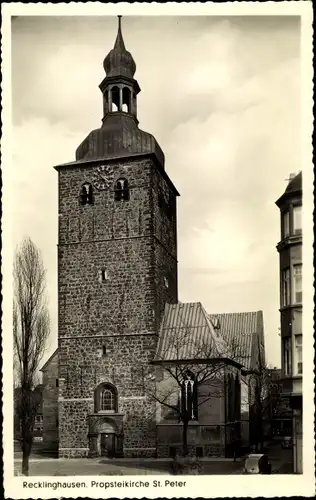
x: 107, y: 445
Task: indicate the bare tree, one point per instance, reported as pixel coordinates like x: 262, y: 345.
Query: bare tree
x: 31, y: 326
x: 257, y: 397
x: 185, y: 366
x: 260, y: 402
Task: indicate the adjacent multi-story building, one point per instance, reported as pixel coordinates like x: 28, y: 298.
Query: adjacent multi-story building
x: 291, y: 308
x: 280, y: 410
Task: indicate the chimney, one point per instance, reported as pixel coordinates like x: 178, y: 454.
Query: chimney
x: 291, y: 176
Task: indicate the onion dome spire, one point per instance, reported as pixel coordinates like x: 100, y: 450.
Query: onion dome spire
x: 119, y: 62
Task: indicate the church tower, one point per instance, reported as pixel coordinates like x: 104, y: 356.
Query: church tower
x: 117, y: 267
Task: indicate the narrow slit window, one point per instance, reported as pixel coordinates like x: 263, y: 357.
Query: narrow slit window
x: 104, y: 350
x: 103, y: 275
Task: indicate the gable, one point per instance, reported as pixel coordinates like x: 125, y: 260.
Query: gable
x: 242, y: 331
x: 50, y: 359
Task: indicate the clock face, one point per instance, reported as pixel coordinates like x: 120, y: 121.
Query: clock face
x: 103, y: 177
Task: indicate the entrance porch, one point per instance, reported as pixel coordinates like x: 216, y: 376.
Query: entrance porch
x: 105, y: 435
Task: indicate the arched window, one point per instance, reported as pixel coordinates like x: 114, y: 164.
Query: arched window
x: 126, y: 104
x: 121, y: 190
x: 86, y: 194
x: 106, y: 101
x: 115, y: 99
x: 105, y: 398
x: 189, y: 397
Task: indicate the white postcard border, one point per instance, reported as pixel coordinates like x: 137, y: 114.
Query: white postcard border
x: 196, y: 486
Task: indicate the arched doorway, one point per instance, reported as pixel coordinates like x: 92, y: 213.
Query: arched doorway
x: 107, y: 439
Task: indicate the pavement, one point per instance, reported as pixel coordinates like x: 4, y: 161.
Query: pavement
x: 85, y: 467
x: 119, y: 467
x: 45, y: 466
x: 281, y: 459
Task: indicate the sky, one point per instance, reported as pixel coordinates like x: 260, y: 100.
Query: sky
x: 222, y: 97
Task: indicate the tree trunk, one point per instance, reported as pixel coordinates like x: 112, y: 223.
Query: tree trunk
x: 27, y: 421
x: 25, y: 463
x: 26, y: 451
x: 185, y: 450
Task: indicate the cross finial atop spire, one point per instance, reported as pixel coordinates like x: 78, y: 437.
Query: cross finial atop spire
x: 119, y: 42
x: 119, y: 62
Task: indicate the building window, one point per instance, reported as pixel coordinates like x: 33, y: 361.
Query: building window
x: 103, y: 275
x: 105, y: 398
x: 188, y: 397
x: 166, y: 282
x: 297, y: 219
x: 166, y: 205
x: 285, y: 287
x: 86, y: 194
x: 57, y: 382
x: 104, y: 350
x: 286, y: 224
x: 115, y: 99
x: 287, y: 356
x: 121, y: 190
x: 298, y: 354
x: 126, y: 104
x: 297, y: 284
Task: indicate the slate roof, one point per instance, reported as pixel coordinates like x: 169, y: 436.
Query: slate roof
x: 186, y: 333
x: 295, y: 184
x: 241, y: 331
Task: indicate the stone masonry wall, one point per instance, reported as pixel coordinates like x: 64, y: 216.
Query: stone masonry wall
x: 122, y: 239
x: 108, y: 328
